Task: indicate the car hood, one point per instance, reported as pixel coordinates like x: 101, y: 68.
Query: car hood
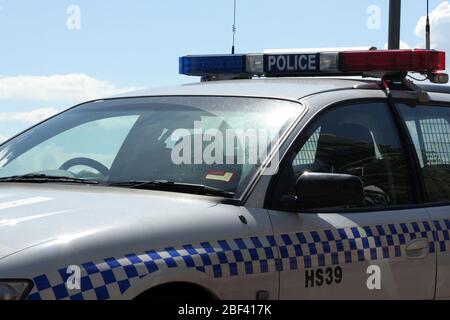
x: 32, y: 215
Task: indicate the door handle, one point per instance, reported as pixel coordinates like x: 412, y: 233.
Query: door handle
x: 417, y: 249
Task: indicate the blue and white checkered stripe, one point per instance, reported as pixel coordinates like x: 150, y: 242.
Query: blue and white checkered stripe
x: 342, y: 246
x: 112, y: 277
x: 239, y: 257
x: 442, y: 234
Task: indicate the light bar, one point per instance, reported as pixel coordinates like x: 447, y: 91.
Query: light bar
x: 393, y: 61
x: 308, y: 63
x: 213, y: 65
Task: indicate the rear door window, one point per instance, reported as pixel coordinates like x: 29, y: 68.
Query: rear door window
x: 429, y: 128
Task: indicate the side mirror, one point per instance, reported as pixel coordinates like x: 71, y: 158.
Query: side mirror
x: 327, y: 190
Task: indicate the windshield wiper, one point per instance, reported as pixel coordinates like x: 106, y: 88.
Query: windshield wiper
x: 164, y: 185
x: 43, y: 178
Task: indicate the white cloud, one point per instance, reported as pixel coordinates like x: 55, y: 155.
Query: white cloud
x: 440, y: 27
x: 403, y: 45
x: 2, y: 138
x: 28, y: 117
x: 68, y: 87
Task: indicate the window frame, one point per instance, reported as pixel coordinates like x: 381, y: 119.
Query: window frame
x: 414, y: 103
x: 406, y: 143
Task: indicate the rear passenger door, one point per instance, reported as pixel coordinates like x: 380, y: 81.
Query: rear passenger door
x: 429, y: 129
x: 382, y: 250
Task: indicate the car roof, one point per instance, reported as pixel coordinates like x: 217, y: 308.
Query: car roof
x: 435, y: 88
x: 280, y: 88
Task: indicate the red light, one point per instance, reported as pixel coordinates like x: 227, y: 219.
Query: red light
x: 393, y: 60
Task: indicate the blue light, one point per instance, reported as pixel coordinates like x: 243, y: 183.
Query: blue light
x: 213, y: 65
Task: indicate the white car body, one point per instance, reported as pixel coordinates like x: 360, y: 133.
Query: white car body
x: 127, y: 242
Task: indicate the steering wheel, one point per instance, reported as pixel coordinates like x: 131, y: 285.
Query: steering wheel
x: 85, y: 162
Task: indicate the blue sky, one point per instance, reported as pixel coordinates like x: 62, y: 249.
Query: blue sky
x: 136, y: 43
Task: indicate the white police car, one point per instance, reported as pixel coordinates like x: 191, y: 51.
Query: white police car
x: 169, y: 194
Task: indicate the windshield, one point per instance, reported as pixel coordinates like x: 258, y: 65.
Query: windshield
x: 211, y: 141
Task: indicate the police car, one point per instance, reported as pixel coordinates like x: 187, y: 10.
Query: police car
x: 146, y: 196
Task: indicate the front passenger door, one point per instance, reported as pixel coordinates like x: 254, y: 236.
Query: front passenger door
x: 429, y: 129
x: 331, y: 253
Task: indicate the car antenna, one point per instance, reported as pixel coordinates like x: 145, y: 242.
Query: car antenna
x: 234, y: 28
x: 428, y: 28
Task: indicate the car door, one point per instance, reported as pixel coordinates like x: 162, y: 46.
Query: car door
x: 380, y: 250
x: 429, y: 129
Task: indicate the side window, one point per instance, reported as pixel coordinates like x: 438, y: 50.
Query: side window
x: 360, y: 140
x: 307, y: 154
x: 429, y: 128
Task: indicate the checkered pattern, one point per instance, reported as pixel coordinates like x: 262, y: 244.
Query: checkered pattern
x: 314, y: 249
x: 112, y: 277
x: 239, y: 257
x: 442, y: 234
